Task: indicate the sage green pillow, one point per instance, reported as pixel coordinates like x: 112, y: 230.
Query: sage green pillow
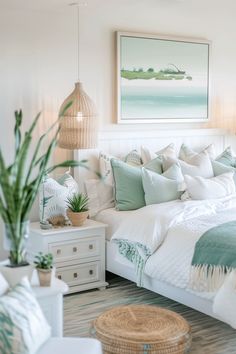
x: 155, y: 165
x: 227, y: 158
x: 162, y: 188
x: 129, y: 193
x: 219, y: 168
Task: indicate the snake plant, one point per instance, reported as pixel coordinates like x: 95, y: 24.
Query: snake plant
x: 20, y: 181
x: 78, y: 203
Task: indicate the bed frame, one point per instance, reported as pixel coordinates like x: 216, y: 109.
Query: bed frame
x: 120, y: 142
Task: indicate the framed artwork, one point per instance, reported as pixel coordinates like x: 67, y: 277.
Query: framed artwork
x: 162, y: 79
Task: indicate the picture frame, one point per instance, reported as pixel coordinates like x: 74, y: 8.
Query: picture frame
x: 162, y: 79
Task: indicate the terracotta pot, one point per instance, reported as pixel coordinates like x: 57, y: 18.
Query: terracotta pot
x: 45, y: 276
x: 77, y: 219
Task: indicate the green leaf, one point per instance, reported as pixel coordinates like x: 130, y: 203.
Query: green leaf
x: 78, y: 202
x: 69, y: 163
x: 20, y: 182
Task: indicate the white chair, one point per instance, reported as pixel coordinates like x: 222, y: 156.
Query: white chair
x: 71, y: 346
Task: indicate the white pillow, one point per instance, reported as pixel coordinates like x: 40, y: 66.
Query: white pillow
x: 200, y: 188
x: 198, y: 165
x: 187, y: 153
x: 148, y: 155
x: 105, y: 168
x: 22, y: 321
x: 100, y: 196
x: 53, y: 194
x: 4, y: 286
x: 52, y: 199
x: 68, y: 181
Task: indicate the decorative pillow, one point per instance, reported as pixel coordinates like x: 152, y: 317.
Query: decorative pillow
x: 219, y: 168
x: 133, y: 158
x: 23, y: 326
x: 129, y: 193
x: 155, y: 165
x: 200, y: 188
x: 105, y: 168
x: 186, y: 152
x: 227, y: 157
x: 68, y: 181
x: 53, y: 196
x: 148, y: 155
x: 198, y: 165
x: 4, y: 286
x: 100, y: 196
x: 162, y: 188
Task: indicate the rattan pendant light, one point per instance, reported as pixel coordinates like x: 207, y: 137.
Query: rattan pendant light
x: 78, y: 126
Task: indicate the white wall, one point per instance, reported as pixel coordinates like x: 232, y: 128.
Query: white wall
x: 38, y: 62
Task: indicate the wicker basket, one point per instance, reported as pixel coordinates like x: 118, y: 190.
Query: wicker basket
x: 137, y: 329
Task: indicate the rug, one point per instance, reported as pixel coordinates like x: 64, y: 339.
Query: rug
x: 210, y: 336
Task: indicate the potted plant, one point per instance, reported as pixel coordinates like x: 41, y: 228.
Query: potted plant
x: 19, y: 185
x: 77, y: 210
x: 44, y: 266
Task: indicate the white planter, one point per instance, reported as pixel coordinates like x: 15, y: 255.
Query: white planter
x: 14, y: 275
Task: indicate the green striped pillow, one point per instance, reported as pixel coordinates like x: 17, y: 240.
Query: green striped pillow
x: 23, y: 327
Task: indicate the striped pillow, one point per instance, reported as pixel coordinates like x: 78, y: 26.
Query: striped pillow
x: 23, y: 326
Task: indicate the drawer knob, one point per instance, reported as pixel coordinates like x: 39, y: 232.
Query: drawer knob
x: 91, y: 272
x: 91, y: 247
x: 59, y: 277
x: 75, y: 275
x: 75, y: 249
x: 58, y: 251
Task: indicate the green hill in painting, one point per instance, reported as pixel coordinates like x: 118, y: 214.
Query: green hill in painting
x: 166, y: 74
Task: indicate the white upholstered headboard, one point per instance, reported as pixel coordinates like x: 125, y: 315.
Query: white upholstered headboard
x: 119, y: 143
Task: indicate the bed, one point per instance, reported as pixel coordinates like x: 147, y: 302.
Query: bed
x: 116, y: 143
x: 167, y: 270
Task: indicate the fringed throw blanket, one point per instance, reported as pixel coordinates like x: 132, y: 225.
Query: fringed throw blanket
x: 135, y: 253
x: 214, y: 257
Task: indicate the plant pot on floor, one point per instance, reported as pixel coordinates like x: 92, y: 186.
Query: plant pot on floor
x: 77, y: 219
x: 45, y: 276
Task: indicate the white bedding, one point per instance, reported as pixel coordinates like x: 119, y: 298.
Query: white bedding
x: 170, y: 230
x: 113, y: 218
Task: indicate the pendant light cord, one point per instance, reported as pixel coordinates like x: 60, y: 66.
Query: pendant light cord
x: 78, y: 43
x: 78, y: 5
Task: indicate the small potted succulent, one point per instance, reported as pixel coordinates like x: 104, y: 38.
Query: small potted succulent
x: 77, y: 210
x: 44, y: 266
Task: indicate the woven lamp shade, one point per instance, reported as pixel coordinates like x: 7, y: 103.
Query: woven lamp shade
x: 78, y: 127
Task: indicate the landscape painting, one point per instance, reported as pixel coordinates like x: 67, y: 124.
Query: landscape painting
x: 162, y: 79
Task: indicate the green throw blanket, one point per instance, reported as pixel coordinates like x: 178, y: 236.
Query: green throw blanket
x: 135, y: 253
x: 214, y: 257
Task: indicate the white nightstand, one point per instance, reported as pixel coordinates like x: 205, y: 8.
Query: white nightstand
x: 79, y: 253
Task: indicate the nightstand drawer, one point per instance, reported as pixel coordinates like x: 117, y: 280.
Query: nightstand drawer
x: 80, y: 274
x: 68, y: 251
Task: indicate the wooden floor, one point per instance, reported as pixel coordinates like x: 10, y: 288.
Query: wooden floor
x: 209, y: 335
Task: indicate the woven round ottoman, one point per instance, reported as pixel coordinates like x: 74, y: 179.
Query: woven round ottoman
x: 142, y: 329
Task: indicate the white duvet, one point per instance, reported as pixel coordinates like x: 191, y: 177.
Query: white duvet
x: 170, y: 231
